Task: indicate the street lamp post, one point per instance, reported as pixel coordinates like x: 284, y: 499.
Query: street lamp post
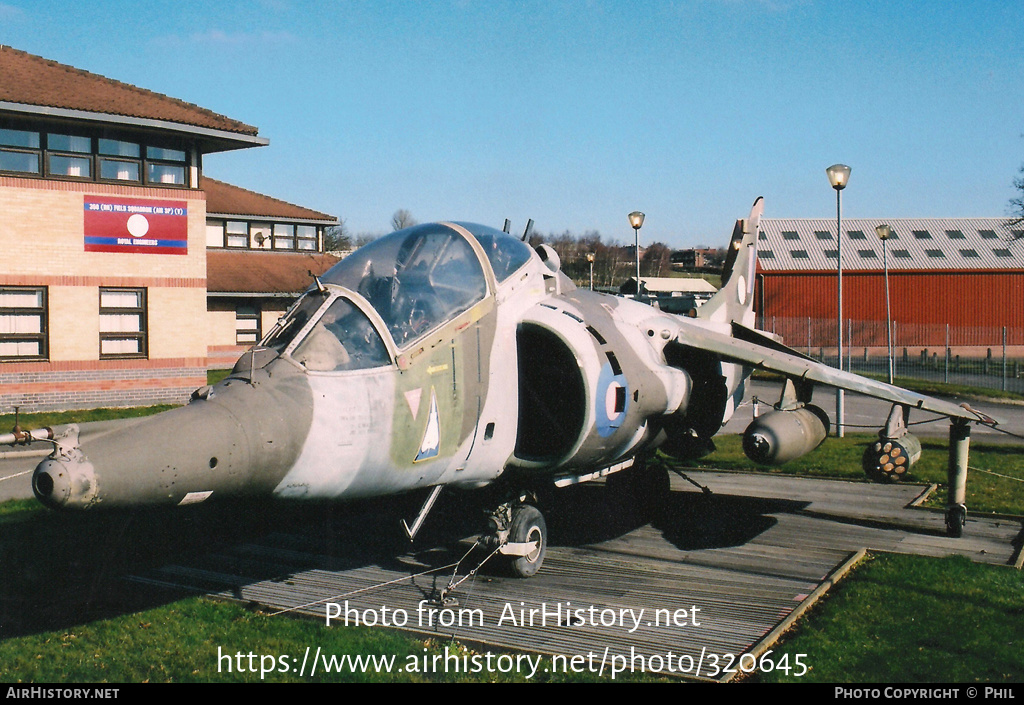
x: 884, y: 232
x: 839, y: 176
x: 636, y: 219
x: 590, y: 259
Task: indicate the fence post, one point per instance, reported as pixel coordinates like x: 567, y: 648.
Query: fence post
x: 1004, y: 358
x: 892, y: 350
x: 945, y: 377
x: 849, y: 344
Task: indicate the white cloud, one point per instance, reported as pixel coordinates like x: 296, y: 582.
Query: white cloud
x: 217, y: 36
x: 10, y: 12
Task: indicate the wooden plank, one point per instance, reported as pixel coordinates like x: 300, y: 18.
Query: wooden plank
x: 744, y: 559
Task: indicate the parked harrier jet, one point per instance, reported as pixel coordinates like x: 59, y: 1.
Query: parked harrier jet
x: 453, y: 354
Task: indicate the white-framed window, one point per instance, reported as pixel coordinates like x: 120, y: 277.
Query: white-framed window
x: 237, y: 233
x: 284, y: 236
x: 306, y: 235
x: 122, y: 323
x: 262, y: 235
x: 23, y: 323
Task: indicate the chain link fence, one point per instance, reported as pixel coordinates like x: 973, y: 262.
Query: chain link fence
x: 990, y: 357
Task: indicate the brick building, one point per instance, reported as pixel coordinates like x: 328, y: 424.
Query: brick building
x: 104, y: 225
x: 249, y: 283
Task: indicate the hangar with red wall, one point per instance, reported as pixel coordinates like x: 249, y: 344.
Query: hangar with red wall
x: 964, y: 272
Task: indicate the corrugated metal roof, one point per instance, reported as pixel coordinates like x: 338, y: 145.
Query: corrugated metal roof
x: 809, y: 244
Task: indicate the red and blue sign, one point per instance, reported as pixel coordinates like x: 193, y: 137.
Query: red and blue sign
x: 115, y: 224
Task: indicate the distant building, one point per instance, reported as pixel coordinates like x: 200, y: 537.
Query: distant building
x: 679, y: 295
x: 105, y: 222
x: 967, y: 272
x: 670, y: 286
x: 698, y: 259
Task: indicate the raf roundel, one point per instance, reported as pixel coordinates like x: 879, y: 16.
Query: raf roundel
x: 612, y: 401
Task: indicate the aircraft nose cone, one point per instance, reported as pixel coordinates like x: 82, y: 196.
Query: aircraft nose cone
x: 52, y: 483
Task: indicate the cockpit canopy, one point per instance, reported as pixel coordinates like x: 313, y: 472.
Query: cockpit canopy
x: 416, y: 280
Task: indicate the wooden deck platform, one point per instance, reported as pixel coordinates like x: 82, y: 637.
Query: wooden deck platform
x: 729, y: 567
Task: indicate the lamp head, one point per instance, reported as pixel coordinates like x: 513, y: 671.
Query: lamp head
x: 636, y: 219
x: 883, y: 231
x: 838, y: 176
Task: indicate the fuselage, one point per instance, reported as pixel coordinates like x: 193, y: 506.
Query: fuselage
x: 443, y: 354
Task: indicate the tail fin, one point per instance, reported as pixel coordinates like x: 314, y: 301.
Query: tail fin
x: 735, y: 300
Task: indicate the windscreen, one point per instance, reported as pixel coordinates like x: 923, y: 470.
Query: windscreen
x: 506, y: 254
x: 416, y: 279
x: 343, y: 339
x: 293, y: 321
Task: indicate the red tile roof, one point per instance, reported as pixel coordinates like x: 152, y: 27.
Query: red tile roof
x: 33, y: 80
x: 222, y: 198
x: 246, y: 271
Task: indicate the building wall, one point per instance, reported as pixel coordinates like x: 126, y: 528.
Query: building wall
x: 985, y: 299
x: 223, y: 350
x: 42, y: 236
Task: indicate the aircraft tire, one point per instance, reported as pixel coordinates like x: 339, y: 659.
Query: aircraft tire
x: 528, y: 525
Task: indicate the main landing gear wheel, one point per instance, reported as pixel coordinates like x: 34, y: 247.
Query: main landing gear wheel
x: 956, y: 517
x: 528, y: 526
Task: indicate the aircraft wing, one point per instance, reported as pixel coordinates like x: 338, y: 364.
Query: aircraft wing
x: 760, y: 351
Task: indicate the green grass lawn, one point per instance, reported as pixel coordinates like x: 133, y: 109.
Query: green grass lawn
x: 199, y: 640
x: 909, y: 619
x: 924, y: 386
x: 840, y: 458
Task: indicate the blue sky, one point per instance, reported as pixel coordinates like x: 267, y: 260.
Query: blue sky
x: 576, y: 113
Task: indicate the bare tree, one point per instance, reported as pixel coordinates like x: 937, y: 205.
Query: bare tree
x: 1017, y: 204
x: 337, y: 238
x: 361, y: 239
x: 656, y: 259
x: 402, y: 219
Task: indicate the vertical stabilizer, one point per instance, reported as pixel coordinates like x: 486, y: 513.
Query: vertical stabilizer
x: 735, y: 300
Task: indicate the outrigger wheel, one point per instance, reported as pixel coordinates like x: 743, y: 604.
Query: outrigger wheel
x: 528, y: 526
